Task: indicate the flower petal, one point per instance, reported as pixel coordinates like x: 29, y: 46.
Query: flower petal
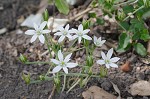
x: 99, y: 39
x: 67, y: 27
x: 107, y: 65
x: 60, y: 28
x: 67, y: 58
x: 71, y: 65
x: 113, y: 65
x: 73, y: 30
x: 95, y: 39
x: 86, y: 31
x: 61, y: 38
x: 103, y: 55
x: 115, y: 59
x: 55, y: 61
x: 58, y: 33
x: 46, y: 31
x: 42, y: 38
x: 43, y: 24
x: 65, y: 70
x: 30, y: 32
x: 69, y: 36
x: 75, y: 36
x: 101, y: 62
x: 36, y: 27
x: 79, y: 40
x: 87, y: 37
x: 33, y: 38
x: 80, y: 28
x: 60, y: 55
x: 109, y: 54
x: 56, y: 69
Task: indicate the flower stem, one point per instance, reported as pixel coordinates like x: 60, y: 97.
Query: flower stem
x: 73, y: 86
x: 38, y: 62
x: 64, y: 85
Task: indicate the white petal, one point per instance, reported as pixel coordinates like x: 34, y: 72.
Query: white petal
x: 109, y: 53
x: 60, y: 55
x: 73, y: 30
x: 58, y: 33
x: 56, y: 69
x: 61, y: 38
x: 79, y: 40
x: 55, y: 61
x: 69, y: 36
x: 80, y: 28
x: 67, y: 58
x: 42, y: 26
x: 60, y: 28
x: 103, y: 41
x: 46, y: 31
x: 33, y: 38
x: 107, y: 65
x: 95, y: 38
x: 99, y: 39
x: 36, y: 27
x: 42, y: 38
x: 87, y: 37
x: 65, y: 70
x: 86, y: 31
x: 30, y: 32
x: 75, y: 36
x: 103, y: 55
x: 113, y: 65
x: 67, y: 27
x: 71, y: 65
x: 115, y: 59
x: 101, y: 62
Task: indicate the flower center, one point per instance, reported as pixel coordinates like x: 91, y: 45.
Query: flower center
x: 64, y: 32
x: 107, y: 61
x: 80, y: 34
x: 97, y: 43
x: 63, y: 64
x: 38, y: 32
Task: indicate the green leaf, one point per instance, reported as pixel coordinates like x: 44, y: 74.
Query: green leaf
x: 62, y: 6
x: 124, y: 41
x: 140, y: 49
x: 100, y: 21
x: 145, y: 35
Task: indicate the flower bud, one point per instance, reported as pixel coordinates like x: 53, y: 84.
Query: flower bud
x: 46, y: 15
x: 89, y: 61
x: 26, y: 78
x: 120, y: 14
x: 23, y: 58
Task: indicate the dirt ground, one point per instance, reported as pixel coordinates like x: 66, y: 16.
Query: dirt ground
x: 12, y: 44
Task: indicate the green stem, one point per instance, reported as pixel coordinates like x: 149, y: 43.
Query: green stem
x: 73, y: 86
x: 72, y: 44
x: 134, y: 12
x: 38, y: 62
x: 64, y: 85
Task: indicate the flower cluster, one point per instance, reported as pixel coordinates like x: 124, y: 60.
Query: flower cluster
x: 71, y: 34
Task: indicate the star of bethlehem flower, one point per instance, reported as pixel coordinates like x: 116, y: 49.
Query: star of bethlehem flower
x: 64, y: 32
x: 80, y: 33
x: 63, y: 63
x: 98, y: 41
x: 38, y: 32
x: 107, y: 60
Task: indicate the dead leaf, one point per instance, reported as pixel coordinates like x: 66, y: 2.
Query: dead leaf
x: 141, y: 88
x: 126, y: 67
x: 94, y: 92
x: 37, y: 19
x: 57, y: 22
x: 117, y: 90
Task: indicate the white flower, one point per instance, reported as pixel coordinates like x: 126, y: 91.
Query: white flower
x: 62, y: 63
x: 64, y: 32
x: 80, y: 33
x: 98, y: 41
x: 38, y: 32
x: 107, y: 60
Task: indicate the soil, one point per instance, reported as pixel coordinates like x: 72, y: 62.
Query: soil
x: 12, y: 44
